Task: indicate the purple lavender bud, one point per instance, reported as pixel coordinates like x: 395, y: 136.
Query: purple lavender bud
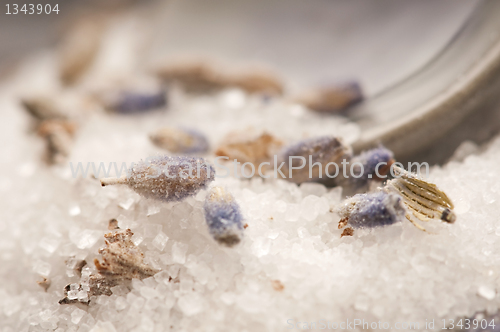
x: 167, y: 178
x: 129, y: 102
x: 180, y: 140
x: 372, y: 210
x: 378, y: 160
x: 318, y: 151
x: 223, y: 217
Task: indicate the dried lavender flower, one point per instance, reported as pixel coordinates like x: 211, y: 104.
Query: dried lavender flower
x: 372, y: 210
x: 180, y: 140
x: 320, y: 152
x: 167, y: 178
x: 129, y: 102
x: 333, y: 98
x: 366, y: 165
x: 223, y: 217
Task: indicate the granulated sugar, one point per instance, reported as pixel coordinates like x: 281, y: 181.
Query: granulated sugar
x: 291, y: 266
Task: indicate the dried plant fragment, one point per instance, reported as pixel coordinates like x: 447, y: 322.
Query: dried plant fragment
x: 256, y: 81
x: 202, y: 76
x: 249, y: 147
x: 121, y: 262
x: 79, y: 49
x: 45, y: 283
x: 180, y: 140
x: 333, y: 98
x: 347, y: 232
x: 423, y: 200
x: 43, y: 108
x: 58, y: 135
x: 223, y: 217
x: 52, y: 124
x: 113, y: 224
x: 121, y: 258
x: 277, y: 285
x: 194, y: 76
x: 167, y: 178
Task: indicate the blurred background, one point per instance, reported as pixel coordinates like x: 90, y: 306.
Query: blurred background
x: 428, y: 70
x: 307, y: 42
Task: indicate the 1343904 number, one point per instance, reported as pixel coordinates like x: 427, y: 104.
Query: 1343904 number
x: 30, y: 9
x: 467, y: 324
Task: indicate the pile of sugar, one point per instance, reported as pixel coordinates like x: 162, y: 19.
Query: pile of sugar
x: 292, y: 265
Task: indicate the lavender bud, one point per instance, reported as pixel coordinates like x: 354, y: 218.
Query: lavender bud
x: 372, y: 210
x: 128, y: 102
x: 180, y: 140
x: 167, y: 178
x: 223, y: 217
x: 364, y: 167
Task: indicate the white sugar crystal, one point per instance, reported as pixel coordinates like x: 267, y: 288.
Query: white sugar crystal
x: 280, y: 206
x: 103, y: 327
x: 311, y: 188
x: 151, y: 230
x: 42, y: 268
x: 72, y: 294
x: 179, y: 251
x: 308, y: 209
x: 233, y: 98
x: 126, y: 205
x: 85, y: 238
x: 125, y: 222
x: 160, y: 241
x: 191, y: 304
x: 75, y: 210
x: 77, y: 315
x: 138, y: 303
x: 153, y: 208
x: 49, y: 244
x: 137, y: 238
x: 82, y: 295
x: 148, y: 292
x: 261, y: 247
x: 487, y: 292
x: 292, y: 212
x: 27, y: 169
x: 120, y: 303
